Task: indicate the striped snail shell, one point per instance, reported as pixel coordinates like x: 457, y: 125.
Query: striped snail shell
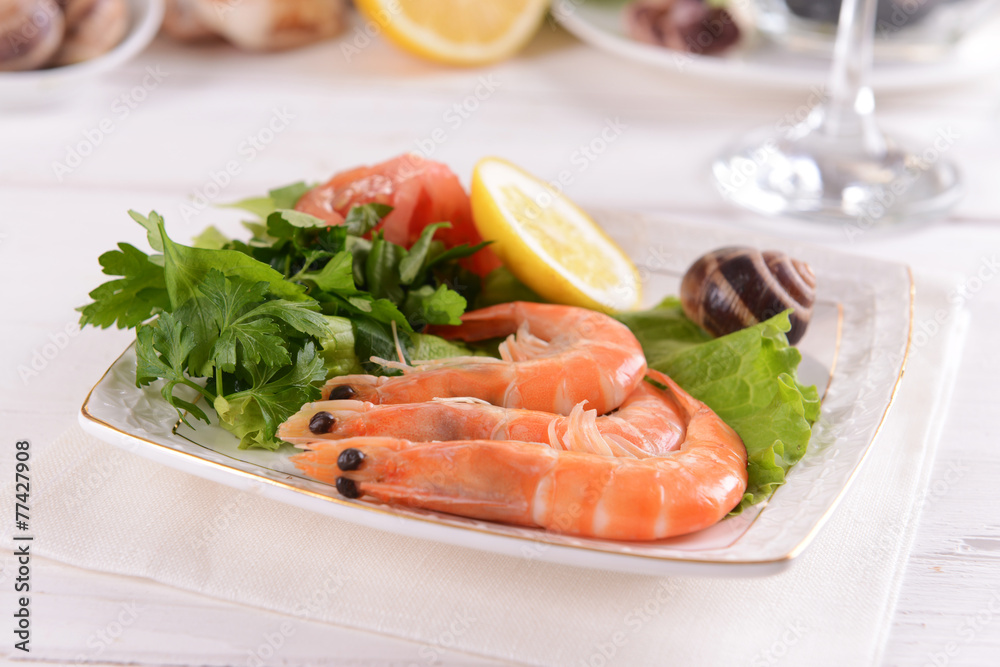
x: 733, y: 288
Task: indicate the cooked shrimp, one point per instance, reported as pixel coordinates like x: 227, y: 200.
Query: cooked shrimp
x: 647, y: 423
x: 559, y: 356
x: 579, y: 493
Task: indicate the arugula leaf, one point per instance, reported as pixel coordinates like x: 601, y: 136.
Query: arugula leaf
x: 259, y: 206
x: 284, y: 223
x: 284, y: 197
x: 211, y: 239
x: 336, y: 275
x: 140, y: 293
x: 501, y: 286
x: 381, y: 270
x: 289, y: 195
x: 456, y: 253
x: 186, y: 267
x: 748, y: 378
x: 375, y: 339
x: 414, y: 263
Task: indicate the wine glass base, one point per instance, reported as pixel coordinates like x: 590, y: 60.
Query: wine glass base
x: 817, y: 178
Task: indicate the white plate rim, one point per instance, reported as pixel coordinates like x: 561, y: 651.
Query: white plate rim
x: 953, y: 69
x: 488, y: 537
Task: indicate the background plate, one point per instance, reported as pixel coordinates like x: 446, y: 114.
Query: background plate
x: 759, y: 63
x: 855, y: 347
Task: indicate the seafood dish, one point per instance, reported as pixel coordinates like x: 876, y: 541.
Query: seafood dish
x: 661, y: 464
x: 404, y: 360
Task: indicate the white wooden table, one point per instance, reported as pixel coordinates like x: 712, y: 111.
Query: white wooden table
x: 308, y: 114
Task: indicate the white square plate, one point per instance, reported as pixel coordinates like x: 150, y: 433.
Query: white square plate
x: 854, y: 350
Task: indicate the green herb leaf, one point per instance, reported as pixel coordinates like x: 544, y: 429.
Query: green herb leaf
x: 363, y: 218
x: 162, y: 348
x: 381, y: 270
x: 375, y: 339
x: 502, y: 286
x: 413, y: 264
x: 152, y: 225
x: 748, y: 378
x: 139, y: 294
x: 289, y: 195
x: 434, y: 306
x: 337, y: 345
x: 253, y: 415
x: 211, y: 239
x: 185, y: 268
x: 336, y: 275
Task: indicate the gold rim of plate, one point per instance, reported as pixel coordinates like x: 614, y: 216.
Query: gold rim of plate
x: 442, y: 519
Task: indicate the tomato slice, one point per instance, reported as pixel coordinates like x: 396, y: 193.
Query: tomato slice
x: 420, y: 191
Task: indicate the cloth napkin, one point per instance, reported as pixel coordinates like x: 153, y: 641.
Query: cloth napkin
x: 106, y: 509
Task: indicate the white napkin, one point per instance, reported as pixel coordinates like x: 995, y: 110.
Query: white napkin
x: 105, y: 509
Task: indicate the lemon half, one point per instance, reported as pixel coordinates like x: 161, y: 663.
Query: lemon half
x: 548, y: 242
x: 457, y: 32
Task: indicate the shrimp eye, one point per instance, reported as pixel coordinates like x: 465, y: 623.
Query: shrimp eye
x: 342, y: 393
x: 348, y: 488
x: 322, y: 422
x: 350, y: 459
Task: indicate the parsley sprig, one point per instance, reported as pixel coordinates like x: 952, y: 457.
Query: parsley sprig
x: 252, y: 328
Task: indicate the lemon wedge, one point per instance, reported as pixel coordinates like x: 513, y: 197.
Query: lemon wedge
x: 457, y: 32
x: 548, y: 242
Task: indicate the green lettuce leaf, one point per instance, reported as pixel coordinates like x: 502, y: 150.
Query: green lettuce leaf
x: 748, y: 378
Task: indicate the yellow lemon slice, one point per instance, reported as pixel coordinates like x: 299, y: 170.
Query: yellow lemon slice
x: 548, y: 242
x: 457, y: 32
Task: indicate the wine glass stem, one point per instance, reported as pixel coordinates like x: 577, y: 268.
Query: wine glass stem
x: 849, y: 113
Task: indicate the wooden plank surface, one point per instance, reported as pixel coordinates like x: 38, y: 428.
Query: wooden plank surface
x: 543, y: 108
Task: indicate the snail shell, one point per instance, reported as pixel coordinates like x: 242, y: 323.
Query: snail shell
x: 734, y: 288
x: 30, y: 33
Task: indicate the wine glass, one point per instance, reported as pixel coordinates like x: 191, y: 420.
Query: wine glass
x: 836, y: 166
